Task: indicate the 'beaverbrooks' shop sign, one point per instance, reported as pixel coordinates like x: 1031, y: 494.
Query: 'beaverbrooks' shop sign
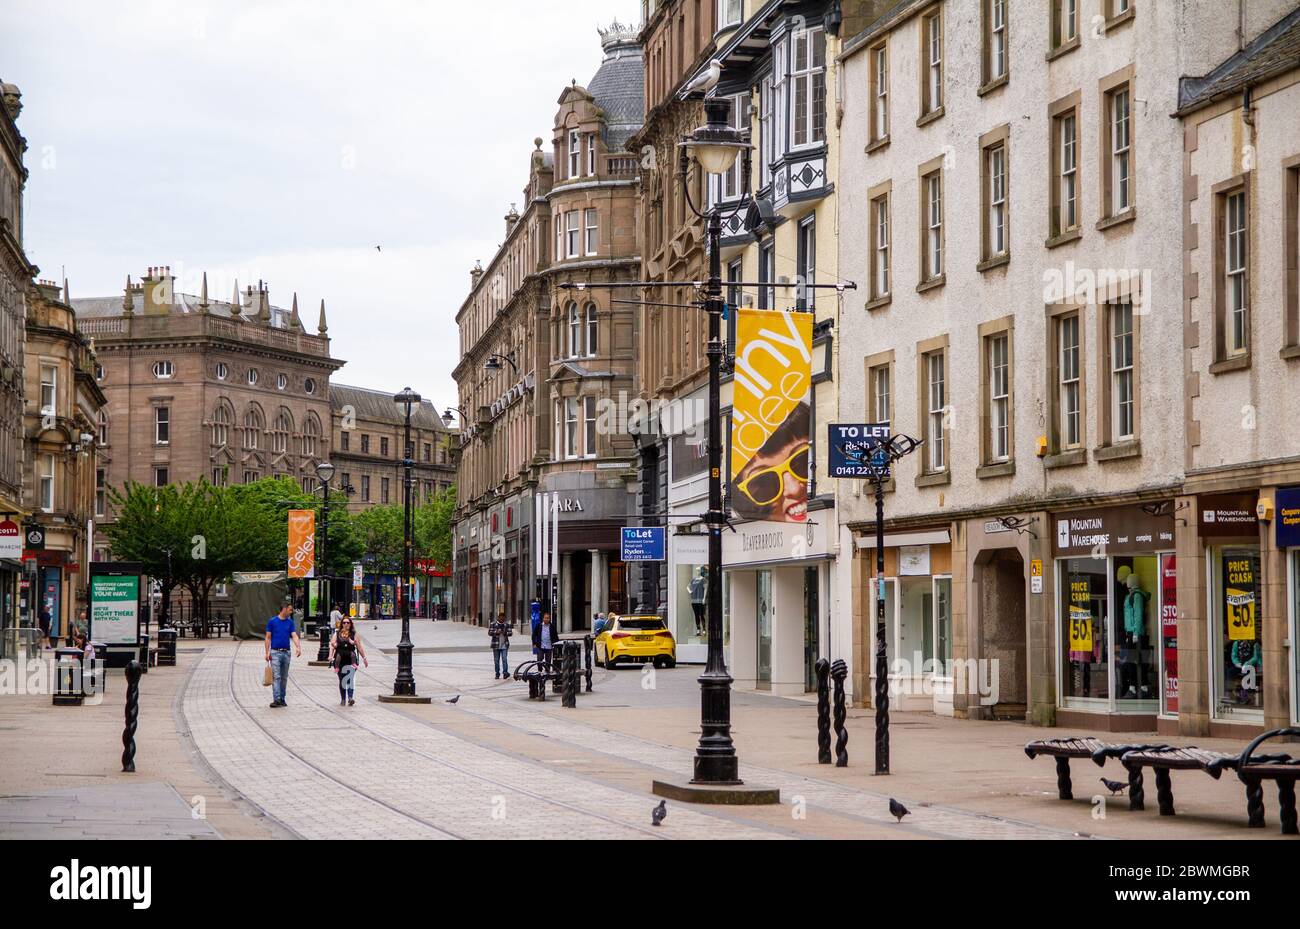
x: 1116, y: 530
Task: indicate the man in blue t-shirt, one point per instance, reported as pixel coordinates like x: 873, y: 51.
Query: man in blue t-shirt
x: 280, y: 634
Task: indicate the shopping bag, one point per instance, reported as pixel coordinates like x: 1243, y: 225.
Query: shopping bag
x: 268, y: 676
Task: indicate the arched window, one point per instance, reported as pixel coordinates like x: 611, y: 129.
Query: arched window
x: 280, y: 434
x: 253, y: 425
x: 310, y: 436
x: 592, y: 330
x: 575, y: 331
x: 221, y: 425
x: 103, y: 428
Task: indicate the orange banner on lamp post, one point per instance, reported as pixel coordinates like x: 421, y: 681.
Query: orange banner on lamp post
x: 302, y: 543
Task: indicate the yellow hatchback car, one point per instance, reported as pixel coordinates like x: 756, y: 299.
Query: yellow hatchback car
x: 636, y: 639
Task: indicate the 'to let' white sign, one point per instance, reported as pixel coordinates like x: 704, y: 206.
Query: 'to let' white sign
x: 11, y: 540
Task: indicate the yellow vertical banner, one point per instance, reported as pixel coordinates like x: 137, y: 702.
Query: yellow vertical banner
x: 302, y: 543
x: 771, y: 415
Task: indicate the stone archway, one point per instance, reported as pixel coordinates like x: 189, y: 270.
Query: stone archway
x: 1004, y: 633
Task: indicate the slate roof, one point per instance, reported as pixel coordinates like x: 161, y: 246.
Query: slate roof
x: 94, y: 307
x: 1274, y: 51
x: 379, y: 405
x: 619, y: 90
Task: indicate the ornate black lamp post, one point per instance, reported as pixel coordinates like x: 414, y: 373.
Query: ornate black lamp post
x: 715, y: 146
x: 878, y: 458
x: 324, y: 473
x: 404, y: 685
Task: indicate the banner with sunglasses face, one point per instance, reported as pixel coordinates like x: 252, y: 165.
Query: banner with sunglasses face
x: 772, y: 390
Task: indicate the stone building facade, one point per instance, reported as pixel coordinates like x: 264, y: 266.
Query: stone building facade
x: 16, y: 274
x: 542, y: 358
x: 199, y: 388
x: 1239, y: 578
x: 65, y: 478
x: 1023, y: 312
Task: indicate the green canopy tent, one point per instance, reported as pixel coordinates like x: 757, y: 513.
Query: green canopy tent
x: 258, y: 597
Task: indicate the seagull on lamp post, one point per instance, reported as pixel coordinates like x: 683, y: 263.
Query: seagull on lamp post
x: 704, y: 82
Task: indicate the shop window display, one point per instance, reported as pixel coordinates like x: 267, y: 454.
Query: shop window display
x: 1084, y: 634
x: 692, y: 590
x: 1239, y: 669
x: 1134, y: 604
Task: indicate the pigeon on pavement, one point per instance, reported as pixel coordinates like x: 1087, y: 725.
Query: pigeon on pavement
x: 897, y: 809
x: 659, y: 813
x: 455, y: 699
x: 1115, y: 787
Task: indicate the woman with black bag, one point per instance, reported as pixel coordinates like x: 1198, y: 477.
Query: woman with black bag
x: 345, y: 648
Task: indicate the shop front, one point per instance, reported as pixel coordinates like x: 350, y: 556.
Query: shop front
x: 918, y: 618
x: 1288, y: 542
x: 1116, y: 583
x: 593, y: 578
x: 776, y: 593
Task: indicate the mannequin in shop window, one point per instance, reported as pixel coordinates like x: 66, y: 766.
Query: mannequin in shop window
x: 699, y: 591
x: 1134, y: 670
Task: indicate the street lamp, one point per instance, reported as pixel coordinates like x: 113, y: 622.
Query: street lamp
x: 715, y: 146
x: 493, y: 362
x: 879, y: 458
x: 404, y: 684
x: 324, y: 473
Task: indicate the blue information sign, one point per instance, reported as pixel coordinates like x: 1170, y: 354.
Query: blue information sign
x: 1288, y: 517
x: 643, y: 544
x: 851, y: 448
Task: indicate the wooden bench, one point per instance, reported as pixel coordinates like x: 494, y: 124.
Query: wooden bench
x: 1065, y: 749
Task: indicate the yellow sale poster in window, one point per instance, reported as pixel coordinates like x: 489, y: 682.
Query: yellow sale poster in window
x: 1080, y: 629
x: 302, y: 543
x: 771, y: 416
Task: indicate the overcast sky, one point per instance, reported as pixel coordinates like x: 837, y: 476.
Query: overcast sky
x: 284, y: 140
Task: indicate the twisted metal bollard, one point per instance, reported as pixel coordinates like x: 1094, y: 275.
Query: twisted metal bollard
x: 587, y: 646
x: 839, y: 671
x: 823, y: 669
x: 882, y: 699
x: 570, y: 698
x: 133, y: 672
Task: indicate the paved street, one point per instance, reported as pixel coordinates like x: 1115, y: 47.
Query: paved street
x: 496, y: 765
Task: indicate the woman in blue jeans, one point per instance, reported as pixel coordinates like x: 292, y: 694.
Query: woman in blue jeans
x: 344, y: 651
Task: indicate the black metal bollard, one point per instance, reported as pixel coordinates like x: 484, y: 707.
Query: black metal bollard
x: 839, y: 671
x: 133, y: 672
x: 570, y: 699
x: 144, y: 653
x: 823, y: 669
x: 587, y: 647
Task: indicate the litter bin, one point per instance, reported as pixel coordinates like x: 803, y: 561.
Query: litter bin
x: 69, y: 682
x: 166, y: 648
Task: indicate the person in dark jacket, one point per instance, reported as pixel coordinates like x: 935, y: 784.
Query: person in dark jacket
x: 500, y: 631
x: 544, y: 639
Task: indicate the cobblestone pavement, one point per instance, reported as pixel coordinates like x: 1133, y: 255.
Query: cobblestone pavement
x: 115, y: 811
x: 379, y: 771
x: 325, y: 771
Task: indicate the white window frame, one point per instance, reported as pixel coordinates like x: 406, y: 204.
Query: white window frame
x: 162, y: 425
x: 575, y: 153
x: 559, y: 236
x: 766, y: 130
x: 1234, y: 266
x: 592, y: 236
x: 882, y: 395
x: 997, y: 181
x: 592, y: 320
x: 804, y: 83
x: 1067, y: 125
x: 1069, y: 381
x: 1066, y: 28
x: 1122, y: 373
x: 591, y: 154
x: 880, y: 104
x: 164, y: 370
x: 997, y: 39
x: 571, y: 451
x: 934, y: 225
x: 934, y: 60
x: 730, y: 13
x: 807, y: 257
x: 936, y: 410
x: 49, y: 390
x: 882, y: 256
x: 1121, y: 142
x: 999, y: 372
x: 103, y: 428
x: 572, y: 233
x: 589, y: 438
x: 47, y: 483
x: 252, y: 377
x: 575, y: 330
x: 222, y: 371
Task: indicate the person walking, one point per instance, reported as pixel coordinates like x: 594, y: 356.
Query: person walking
x: 336, y: 618
x: 544, y: 642
x: 500, y: 631
x: 281, y: 633
x: 43, y: 621
x: 345, y: 648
